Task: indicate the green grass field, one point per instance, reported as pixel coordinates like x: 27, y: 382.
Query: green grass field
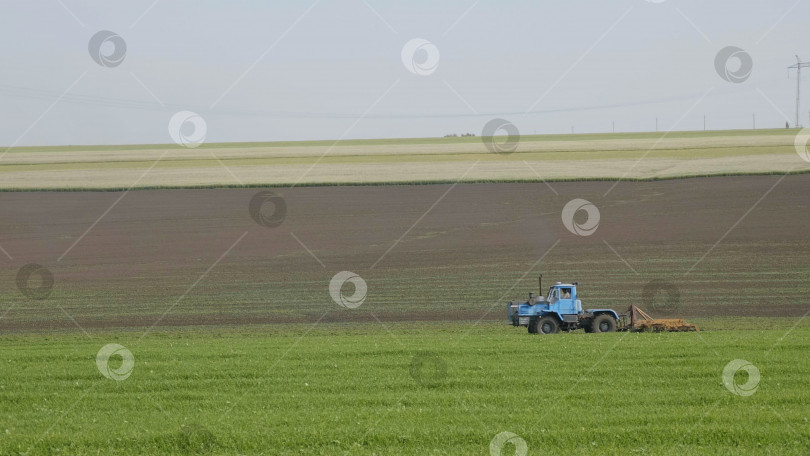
x: 409, y: 389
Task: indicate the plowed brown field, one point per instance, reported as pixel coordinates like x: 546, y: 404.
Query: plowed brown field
x: 189, y: 257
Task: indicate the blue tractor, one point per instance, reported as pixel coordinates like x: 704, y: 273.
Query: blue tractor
x: 560, y: 310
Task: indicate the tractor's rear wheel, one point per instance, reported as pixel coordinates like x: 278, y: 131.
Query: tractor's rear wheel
x: 547, y: 325
x: 533, y: 326
x: 603, y: 324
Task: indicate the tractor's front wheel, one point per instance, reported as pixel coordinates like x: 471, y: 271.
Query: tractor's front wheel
x: 603, y: 324
x: 547, y: 325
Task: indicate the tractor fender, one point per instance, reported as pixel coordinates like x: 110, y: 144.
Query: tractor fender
x: 610, y: 312
x: 553, y: 313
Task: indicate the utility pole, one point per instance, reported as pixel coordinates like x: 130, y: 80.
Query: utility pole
x: 798, y: 66
x: 656, y: 124
x: 755, y: 120
x: 704, y: 122
x: 614, y: 126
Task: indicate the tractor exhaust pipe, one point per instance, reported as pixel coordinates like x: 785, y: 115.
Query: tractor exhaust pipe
x: 540, y: 284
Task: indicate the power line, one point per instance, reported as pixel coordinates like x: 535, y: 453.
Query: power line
x: 149, y: 105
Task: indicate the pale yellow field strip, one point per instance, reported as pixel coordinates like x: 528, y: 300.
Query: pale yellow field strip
x: 23, y: 156
x: 437, y: 160
x: 407, y: 172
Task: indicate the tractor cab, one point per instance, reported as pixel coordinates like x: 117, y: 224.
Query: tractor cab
x: 562, y: 299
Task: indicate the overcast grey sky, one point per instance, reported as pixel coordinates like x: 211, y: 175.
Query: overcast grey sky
x: 290, y: 70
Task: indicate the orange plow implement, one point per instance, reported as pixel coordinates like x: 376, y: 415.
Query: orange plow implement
x: 640, y: 321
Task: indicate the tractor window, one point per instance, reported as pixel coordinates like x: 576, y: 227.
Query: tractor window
x: 553, y: 295
x: 565, y: 293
